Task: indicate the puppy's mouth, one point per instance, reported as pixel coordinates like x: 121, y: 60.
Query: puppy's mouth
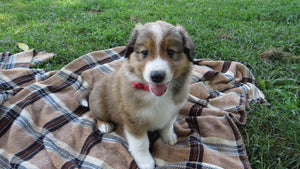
x: 158, y: 89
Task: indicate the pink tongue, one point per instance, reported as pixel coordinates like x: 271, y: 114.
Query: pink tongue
x: 158, y: 90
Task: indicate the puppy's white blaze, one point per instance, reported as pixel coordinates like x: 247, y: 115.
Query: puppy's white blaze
x: 158, y: 35
x: 139, y: 149
x: 157, y: 64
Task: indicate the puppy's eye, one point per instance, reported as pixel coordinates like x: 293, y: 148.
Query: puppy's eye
x: 145, y: 53
x: 170, y: 52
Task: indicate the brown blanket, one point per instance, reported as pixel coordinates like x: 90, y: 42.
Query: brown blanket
x: 43, y: 126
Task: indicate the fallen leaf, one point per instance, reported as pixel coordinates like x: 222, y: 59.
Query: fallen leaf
x: 23, y: 46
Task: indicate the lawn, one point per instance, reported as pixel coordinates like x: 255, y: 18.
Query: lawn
x: 233, y: 30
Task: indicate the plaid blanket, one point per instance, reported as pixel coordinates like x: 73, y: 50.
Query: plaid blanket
x: 43, y: 126
x: 24, y: 59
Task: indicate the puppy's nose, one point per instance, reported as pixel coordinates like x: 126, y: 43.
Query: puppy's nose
x: 157, y: 76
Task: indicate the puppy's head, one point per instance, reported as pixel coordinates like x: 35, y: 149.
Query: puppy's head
x: 159, y: 53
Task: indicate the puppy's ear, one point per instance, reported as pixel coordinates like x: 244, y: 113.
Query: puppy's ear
x: 187, y: 43
x: 132, y: 39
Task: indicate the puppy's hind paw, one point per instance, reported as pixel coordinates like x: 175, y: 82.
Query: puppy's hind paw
x: 169, y: 138
x: 105, y: 127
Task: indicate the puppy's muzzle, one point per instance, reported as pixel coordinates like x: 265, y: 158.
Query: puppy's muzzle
x: 157, y: 76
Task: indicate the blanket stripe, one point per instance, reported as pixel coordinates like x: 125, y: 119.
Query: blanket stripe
x: 226, y: 66
x: 43, y: 126
x: 240, y: 146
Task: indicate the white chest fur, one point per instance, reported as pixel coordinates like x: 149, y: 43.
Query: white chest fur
x: 159, y: 111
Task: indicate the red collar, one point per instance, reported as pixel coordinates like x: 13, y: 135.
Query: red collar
x: 140, y: 86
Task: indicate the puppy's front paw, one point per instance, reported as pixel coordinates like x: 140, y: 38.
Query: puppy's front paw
x: 105, y: 127
x: 169, y: 137
x: 149, y: 164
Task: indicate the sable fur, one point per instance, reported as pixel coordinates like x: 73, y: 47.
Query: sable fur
x: 114, y: 100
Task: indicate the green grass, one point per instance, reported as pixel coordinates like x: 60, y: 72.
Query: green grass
x: 236, y: 30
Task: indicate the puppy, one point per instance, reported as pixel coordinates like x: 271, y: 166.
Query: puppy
x: 148, y: 90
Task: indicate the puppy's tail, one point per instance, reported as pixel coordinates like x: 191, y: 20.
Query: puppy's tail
x: 83, y: 98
